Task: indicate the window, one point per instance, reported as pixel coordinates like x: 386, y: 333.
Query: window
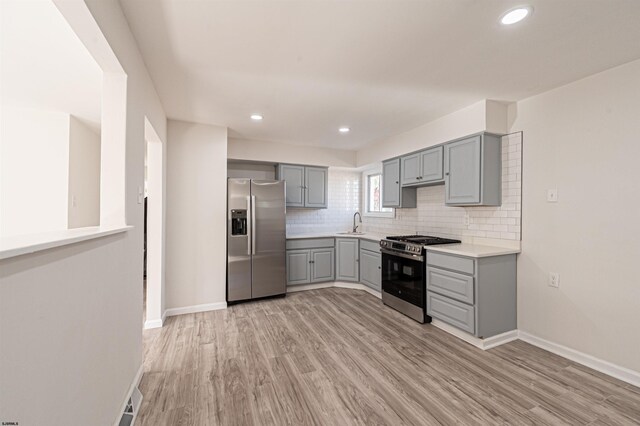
x: 372, y: 195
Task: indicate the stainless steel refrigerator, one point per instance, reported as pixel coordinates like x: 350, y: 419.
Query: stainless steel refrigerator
x: 256, y: 239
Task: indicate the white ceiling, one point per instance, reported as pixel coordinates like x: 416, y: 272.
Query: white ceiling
x: 44, y: 65
x: 379, y: 67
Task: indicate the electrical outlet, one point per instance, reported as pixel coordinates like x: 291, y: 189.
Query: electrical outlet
x: 467, y: 219
x: 554, y: 279
x: 552, y: 195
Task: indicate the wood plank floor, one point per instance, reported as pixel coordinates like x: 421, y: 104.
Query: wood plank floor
x: 339, y: 357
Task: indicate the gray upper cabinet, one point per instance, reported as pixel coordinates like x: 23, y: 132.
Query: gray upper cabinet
x: 410, y: 167
x: 305, y: 186
x: 316, y: 182
x: 294, y: 184
x: 431, y: 165
x: 473, y: 171
x: 424, y: 167
x: 347, y: 254
x: 393, y: 194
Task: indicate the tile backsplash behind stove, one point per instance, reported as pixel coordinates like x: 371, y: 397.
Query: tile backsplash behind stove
x: 432, y: 217
x: 344, y: 201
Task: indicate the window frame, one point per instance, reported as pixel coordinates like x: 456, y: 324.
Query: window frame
x: 365, y: 194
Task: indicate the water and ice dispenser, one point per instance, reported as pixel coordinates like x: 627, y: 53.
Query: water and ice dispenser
x: 239, y: 222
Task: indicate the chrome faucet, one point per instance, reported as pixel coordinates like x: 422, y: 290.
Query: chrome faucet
x: 355, y: 227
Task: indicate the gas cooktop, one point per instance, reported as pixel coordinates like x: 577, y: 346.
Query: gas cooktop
x: 424, y: 240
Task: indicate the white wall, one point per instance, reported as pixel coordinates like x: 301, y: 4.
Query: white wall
x: 486, y: 115
x: 34, y: 158
x: 84, y: 175
x: 71, y: 317
x: 584, y: 140
x: 241, y: 149
x: 196, y: 258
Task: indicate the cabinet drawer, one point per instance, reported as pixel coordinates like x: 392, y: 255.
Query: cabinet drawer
x: 310, y: 243
x: 452, y: 312
x: 460, y: 264
x: 451, y: 284
x: 370, y: 245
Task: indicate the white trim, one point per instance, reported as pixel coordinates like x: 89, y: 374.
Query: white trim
x: 606, y: 367
x: 134, y: 384
x: 336, y: 284
x: 25, y: 244
x: 156, y: 323
x: 305, y: 287
x: 365, y: 190
x: 484, y: 344
x: 194, y: 309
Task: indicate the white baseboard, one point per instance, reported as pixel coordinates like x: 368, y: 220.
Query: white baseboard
x: 606, y: 367
x: 338, y: 284
x: 134, y: 384
x: 149, y: 324
x: 484, y: 344
x: 194, y: 309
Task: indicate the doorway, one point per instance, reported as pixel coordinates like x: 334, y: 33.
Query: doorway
x: 154, y: 228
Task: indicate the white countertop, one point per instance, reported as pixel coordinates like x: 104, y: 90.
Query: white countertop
x: 366, y: 236
x: 472, y: 250
x: 463, y: 249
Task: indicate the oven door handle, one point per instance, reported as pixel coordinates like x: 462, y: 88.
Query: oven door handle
x: 406, y: 256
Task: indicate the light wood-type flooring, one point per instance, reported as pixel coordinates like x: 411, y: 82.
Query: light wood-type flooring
x: 340, y: 357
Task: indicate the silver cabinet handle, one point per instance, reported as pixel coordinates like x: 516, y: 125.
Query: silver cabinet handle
x: 253, y: 224
x: 249, y: 227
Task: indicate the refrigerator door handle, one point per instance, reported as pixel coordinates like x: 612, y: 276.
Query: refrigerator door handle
x: 249, y: 226
x: 253, y: 224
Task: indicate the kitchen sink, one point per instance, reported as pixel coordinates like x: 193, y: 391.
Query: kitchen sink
x: 351, y: 233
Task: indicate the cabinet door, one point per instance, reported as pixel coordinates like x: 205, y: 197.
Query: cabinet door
x: 371, y: 269
x: 431, y: 162
x: 316, y: 183
x: 347, y: 259
x: 322, y: 265
x: 294, y: 184
x: 391, y: 183
x: 298, y: 267
x: 462, y: 171
x: 410, y: 169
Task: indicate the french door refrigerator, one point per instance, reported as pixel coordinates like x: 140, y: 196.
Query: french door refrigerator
x: 256, y: 239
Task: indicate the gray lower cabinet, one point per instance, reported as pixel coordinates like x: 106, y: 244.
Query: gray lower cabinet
x: 306, y: 186
x: 347, y: 254
x: 393, y: 194
x: 477, y: 295
x: 310, y: 261
x: 371, y: 268
x: 473, y: 171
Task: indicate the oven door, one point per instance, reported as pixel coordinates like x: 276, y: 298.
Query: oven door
x: 403, y: 276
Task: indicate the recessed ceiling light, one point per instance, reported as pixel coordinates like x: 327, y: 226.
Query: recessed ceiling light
x: 515, y: 15
x: 256, y: 117
x: 344, y: 130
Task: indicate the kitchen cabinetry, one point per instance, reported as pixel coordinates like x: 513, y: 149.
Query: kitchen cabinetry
x: 476, y: 295
x: 310, y: 261
x: 370, y: 265
x: 393, y: 194
x: 424, y: 167
x: 473, y: 171
x: 306, y: 186
x: 347, y: 253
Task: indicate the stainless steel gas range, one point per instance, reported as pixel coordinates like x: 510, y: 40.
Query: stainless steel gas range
x: 404, y: 273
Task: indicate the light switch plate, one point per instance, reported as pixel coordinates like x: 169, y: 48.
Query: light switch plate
x: 140, y: 195
x: 552, y: 195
